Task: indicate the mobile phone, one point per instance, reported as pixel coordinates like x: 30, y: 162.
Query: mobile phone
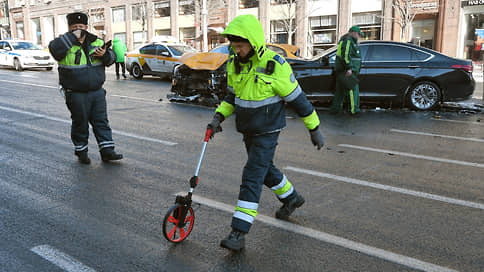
x: 108, y: 44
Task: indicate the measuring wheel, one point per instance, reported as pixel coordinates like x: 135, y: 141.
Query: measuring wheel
x: 178, y: 223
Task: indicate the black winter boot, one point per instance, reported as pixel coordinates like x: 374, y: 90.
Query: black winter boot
x: 82, y: 157
x: 108, y: 154
x: 288, y: 208
x: 235, y: 241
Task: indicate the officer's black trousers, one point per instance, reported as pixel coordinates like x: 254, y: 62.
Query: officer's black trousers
x: 89, y: 108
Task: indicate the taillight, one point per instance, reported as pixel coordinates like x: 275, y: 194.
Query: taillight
x: 467, y: 68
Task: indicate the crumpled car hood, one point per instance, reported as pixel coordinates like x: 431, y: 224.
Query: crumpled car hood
x: 204, y: 60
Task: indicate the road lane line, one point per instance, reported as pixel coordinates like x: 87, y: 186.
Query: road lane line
x: 331, y: 239
x: 474, y: 164
x: 69, y: 122
x: 29, y: 84
x: 60, y: 259
x: 437, y: 135
x: 389, y: 188
x: 459, y: 121
x: 134, y: 98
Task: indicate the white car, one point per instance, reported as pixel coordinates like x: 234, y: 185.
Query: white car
x: 22, y: 55
x: 155, y: 58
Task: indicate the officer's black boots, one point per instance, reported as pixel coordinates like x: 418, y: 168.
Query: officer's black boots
x: 288, y: 207
x: 117, y: 76
x: 82, y: 156
x: 108, y: 154
x: 235, y: 241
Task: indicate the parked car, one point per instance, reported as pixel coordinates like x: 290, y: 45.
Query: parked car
x: 202, y: 76
x: 392, y: 72
x: 155, y: 58
x: 22, y: 55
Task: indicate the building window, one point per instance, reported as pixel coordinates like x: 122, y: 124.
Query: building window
x: 244, y: 4
x: 20, y: 30
x: 186, y: 7
x: 187, y: 35
x: 96, y: 16
x: 139, y: 37
x: 119, y: 15
x: 279, y: 32
x: 49, y: 28
x: 162, y: 32
x: 323, y: 29
x: 120, y: 36
x: 162, y: 9
x: 370, y: 24
x: 36, y: 31
x: 138, y: 12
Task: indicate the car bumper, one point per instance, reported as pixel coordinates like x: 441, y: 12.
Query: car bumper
x: 37, y: 64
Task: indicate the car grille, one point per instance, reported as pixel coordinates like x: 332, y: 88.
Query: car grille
x: 41, y: 57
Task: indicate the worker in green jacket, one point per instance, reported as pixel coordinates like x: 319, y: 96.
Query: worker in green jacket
x: 120, y: 49
x: 260, y: 84
x: 347, y: 69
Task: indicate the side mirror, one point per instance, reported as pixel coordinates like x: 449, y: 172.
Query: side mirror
x: 325, y: 60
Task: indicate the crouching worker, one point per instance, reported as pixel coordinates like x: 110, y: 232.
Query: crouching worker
x: 260, y: 82
x: 82, y: 57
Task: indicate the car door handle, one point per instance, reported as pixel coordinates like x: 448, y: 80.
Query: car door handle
x: 413, y: 66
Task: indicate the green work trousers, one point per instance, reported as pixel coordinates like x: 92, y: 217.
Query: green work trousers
x: 351, y: 96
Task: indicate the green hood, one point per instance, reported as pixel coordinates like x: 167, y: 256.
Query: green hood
x: 248, y: 27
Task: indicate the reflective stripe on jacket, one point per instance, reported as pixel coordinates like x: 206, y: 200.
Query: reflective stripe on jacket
x: 348, y: 55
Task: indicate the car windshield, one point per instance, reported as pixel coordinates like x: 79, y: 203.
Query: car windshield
x: 225, y: 49
x: 25, y: 46
x: 179, y: 50
x: 325, y: 52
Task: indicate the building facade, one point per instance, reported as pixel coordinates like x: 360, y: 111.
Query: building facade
x: 313, y: 25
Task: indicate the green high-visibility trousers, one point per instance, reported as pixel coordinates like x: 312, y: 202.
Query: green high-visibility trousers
x: 351, y: 96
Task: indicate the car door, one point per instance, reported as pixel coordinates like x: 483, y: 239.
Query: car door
x: 387, y: 72
x: 147, y: 59
x: 163, y: 57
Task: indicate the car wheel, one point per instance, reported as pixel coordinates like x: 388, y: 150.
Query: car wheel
x: 16, y: 65
x: 424, y: 95
x: 137, y: 72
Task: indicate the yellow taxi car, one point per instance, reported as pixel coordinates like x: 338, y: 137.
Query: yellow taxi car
x: 201, y: 79
x: 155, y: 58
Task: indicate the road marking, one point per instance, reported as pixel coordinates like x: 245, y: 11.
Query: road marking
x: 389, y: 188
x: 459, y: 121
x: 134, y: 98
x: 474, y: 164
x: 60, y: 259
x: 29, y: 84
x: 329, y: 238
x: 437, y: 135
x: 69, y: 121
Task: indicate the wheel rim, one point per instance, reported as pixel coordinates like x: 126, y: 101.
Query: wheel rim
x: 424, y: 96
x: 174, y: 230
x: 136, y: 71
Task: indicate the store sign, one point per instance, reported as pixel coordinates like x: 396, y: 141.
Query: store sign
x: 425, y: 6
x: 472, y: 3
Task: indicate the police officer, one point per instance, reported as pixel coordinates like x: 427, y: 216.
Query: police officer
x: 260, y: 82
x: 81, y: 57
x: 347, y: 70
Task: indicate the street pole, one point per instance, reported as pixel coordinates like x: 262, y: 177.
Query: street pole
x: 204, y: 25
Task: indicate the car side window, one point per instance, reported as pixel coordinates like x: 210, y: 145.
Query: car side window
x: 420, y: 56
x: 149, y: 50
x: 2, y: 44
x: 161, y: 50
x: 389, y: 53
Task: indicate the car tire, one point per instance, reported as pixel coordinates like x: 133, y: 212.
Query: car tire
x: 136, y: 71
x: 424, y: 95
x: 17, y: 65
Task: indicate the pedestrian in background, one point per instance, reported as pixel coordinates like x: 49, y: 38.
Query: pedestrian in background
x: 120, y: 49
x: 347, y: 69
x: 82, y: 57
x: 260, y: 82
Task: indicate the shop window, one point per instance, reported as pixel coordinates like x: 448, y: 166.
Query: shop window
x: 245, y: 4
x: 119, y: 15
x: 120, y: 36
x: 323, y: 29
x: 186, y: 7
x: 161, y: 9
x: 36, y: 31
x: 422, y: 33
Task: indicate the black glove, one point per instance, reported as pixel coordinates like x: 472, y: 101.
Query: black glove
x: 215, y: 124
x: 317, y: 137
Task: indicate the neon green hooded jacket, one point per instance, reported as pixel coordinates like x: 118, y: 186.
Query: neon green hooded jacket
x: 119, y: 48
x: 257, y: 93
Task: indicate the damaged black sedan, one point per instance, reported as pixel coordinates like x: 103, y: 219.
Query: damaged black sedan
x: 392, y: 73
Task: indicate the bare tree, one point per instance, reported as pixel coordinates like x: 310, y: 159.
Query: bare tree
x: 405, y: 14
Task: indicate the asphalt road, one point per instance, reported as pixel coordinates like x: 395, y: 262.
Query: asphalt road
x: 391, y: 191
